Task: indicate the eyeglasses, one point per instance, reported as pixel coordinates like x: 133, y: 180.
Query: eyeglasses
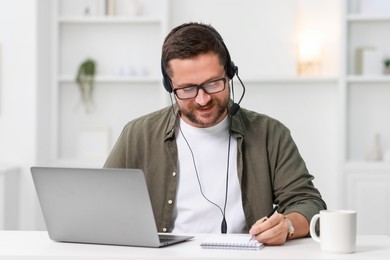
x: 211, y: 87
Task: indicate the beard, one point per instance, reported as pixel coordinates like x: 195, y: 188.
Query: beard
x: 219, y: 105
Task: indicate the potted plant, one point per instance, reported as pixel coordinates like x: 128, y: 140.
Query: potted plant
x: 386, y: 68
x: 85, y: 81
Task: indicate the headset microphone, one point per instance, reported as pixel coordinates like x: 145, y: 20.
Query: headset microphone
x: 234, y: 109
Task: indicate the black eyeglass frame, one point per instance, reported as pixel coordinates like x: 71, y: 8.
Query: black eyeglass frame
x: 202, y: 86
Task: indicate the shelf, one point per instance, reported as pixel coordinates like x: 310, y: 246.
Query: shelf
x: 149, y: 79
x: 368, y: 18
x: 367, y: 166
x: 114, y: 79
x: 125, y: 46
x: 368, y: 79
x: 108, y: 19
x: 294, y: 79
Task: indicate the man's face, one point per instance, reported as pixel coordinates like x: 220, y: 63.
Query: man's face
x: 204, y: 110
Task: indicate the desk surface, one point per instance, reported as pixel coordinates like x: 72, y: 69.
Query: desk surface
x: 37, y: 245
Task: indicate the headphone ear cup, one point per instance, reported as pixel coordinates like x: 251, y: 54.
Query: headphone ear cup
x: 231, y: 70
x: 167, y: 84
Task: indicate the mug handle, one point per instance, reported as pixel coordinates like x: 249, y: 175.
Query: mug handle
x: 313, y: 233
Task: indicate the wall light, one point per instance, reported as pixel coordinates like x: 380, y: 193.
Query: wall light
x: 309, y: 54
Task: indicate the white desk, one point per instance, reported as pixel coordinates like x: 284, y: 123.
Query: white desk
x: 37, y: 245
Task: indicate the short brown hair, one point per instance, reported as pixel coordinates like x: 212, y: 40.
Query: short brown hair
x: 189, y: 40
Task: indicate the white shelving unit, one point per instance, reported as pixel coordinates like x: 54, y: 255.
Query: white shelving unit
x: 365, y: 110
x: 368, y: 79
x: 115, y: 79
x: 126, y: 49
x: 292, y: 80
x: 367, y: 18
x: 365, y: 97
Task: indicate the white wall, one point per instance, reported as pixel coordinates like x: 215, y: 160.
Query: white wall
x: 18, y: 37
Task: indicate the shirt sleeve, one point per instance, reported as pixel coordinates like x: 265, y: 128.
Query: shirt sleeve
x: 293, y: 184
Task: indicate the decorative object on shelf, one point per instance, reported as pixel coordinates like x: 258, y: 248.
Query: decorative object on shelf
x: 375, y: 152
x: 90, y: 7
x: 374, y: 7
x: 130, y: 71
x: 85, y: 80
x: 123, y: 8
x: 309, y: 53
x: 131, y: 8
x: 386, y: 66
x: 368, y: 61
x: 110, y: 7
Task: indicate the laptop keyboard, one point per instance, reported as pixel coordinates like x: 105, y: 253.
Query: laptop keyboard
x: 166, y: 238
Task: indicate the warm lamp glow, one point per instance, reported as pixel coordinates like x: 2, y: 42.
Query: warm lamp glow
x: 309, y: 53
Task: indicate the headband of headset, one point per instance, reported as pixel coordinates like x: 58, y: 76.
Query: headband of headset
x: 230, y: 68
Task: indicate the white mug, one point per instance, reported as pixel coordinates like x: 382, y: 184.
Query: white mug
x: 337, y: 230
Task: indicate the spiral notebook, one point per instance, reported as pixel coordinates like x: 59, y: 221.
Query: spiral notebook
x: 231, y: 241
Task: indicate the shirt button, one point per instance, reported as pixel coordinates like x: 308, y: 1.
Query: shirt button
x: 170, y: 201
x: 165, y: 229
x: 173, y: 174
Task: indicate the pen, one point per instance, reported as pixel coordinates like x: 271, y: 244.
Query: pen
x: 273, y: 211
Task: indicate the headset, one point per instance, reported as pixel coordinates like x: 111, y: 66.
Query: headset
x: 231, y: 70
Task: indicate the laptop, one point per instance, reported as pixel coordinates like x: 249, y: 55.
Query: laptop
x: 98, y: 206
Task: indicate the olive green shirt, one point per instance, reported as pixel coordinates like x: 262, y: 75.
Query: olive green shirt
x: 270, y: 168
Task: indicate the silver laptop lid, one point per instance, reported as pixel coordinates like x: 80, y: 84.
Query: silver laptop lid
x: 103, y: 206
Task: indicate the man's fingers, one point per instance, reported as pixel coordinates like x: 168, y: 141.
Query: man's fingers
x: 270, y: 231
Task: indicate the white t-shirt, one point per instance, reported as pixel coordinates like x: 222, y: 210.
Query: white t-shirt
x: 193, y: 213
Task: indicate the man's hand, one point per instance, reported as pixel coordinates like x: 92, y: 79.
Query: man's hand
x: 270, y: 231
x: 274, y: 230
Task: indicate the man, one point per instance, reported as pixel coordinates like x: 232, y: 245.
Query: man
x: 211, y: 166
